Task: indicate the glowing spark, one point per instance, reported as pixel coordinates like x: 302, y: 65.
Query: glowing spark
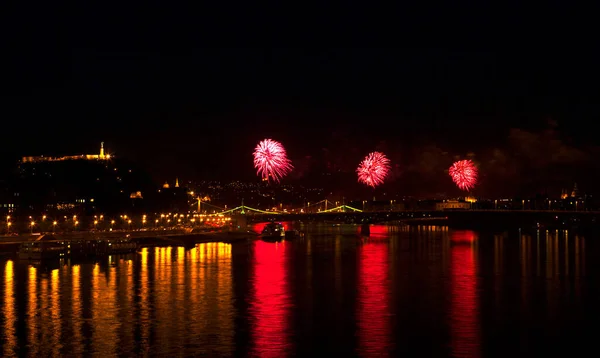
x: 270, y: 160
x: 373, y: 169
x: 464, y: 174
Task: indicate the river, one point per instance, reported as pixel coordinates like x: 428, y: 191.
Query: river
x: 416, y: 291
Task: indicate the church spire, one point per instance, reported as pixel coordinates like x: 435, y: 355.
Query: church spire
x: 177, y: 182
x: 101, y: 149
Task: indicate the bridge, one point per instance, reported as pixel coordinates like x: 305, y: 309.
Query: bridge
x: 243, y: 209
x: 497, y: 219
x: 546, y: 219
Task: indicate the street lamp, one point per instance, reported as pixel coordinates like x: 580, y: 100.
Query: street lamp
x: 8, y: 224
x: 32, y: 224
x: 95, y: 223
x: 54, y: 225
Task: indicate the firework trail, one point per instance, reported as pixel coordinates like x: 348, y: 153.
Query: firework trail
x: 373, y: 169
x: 271, y: 161
x: 464, y: 174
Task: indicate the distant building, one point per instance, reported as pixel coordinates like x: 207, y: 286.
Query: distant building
x: 575, y: 192
x: 452, y: 204
x: 8, y: 199
x: 81, y: 183
x: 100, y: 156
x: 173, y: 199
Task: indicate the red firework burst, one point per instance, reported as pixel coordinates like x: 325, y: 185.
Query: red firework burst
x: 271, y: 161
x: 373, y: 169
x: 464, y: 174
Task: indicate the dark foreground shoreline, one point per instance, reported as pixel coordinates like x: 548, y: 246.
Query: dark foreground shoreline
x: 9, y: 245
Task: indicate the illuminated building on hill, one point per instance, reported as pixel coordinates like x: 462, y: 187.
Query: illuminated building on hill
x: 100, y: 156
x: 80, y: 183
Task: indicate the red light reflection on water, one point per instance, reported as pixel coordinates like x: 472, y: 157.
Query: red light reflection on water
x: 377, y: 231
x: 269, y: 306
x: 374, y: 327
x: 464, y: 312
x: 463, y: 237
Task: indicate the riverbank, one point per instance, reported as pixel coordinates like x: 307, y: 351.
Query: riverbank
x: 9, y: 245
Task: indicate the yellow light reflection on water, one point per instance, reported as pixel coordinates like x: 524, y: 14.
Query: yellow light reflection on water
x: 125, y: 302
x: 77, y: 315
x: 566, y: 253
x: 556, y: 259
x: 164, y: 298
x: 32, y: 324
x: 54, y: 326
x: 43, y: 314
x: 9, y: 311
x: 105, y: 321
x: 144, y: 302
x: 180, y: 294
x: 209, y: 295
x: 525, y: 251
x: 538, y: 255
x: 549, y: 256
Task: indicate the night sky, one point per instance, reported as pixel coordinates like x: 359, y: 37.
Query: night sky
x: 187, y: 92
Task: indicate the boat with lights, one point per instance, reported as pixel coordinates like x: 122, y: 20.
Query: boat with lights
x: 273, y: 232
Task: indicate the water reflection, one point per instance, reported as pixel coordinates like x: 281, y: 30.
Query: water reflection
x: 77, y: 311
x: 405, y: 291
x: 208, y: 299
x: 271, y: 300
x: 133, y: 305
x: 104, y: 310
x: 32, y: 310
x: 373, y: 299
x: 9, y: 334
x: 464, y: 311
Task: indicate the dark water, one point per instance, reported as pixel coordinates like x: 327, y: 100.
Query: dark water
x: 419, y: 292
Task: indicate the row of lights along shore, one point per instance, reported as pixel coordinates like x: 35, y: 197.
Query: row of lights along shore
x: 170, y: 219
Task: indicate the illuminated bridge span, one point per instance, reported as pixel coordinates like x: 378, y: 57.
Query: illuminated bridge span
x: 540, y: 219
x: 243, y: 209
x: 467, y: 218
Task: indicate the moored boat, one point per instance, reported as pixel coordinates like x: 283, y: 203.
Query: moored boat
x: 273, y: 232
x: 38, y: 250
x: 50, y: 249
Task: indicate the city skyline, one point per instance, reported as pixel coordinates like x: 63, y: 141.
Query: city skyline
x: 532, y: 163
